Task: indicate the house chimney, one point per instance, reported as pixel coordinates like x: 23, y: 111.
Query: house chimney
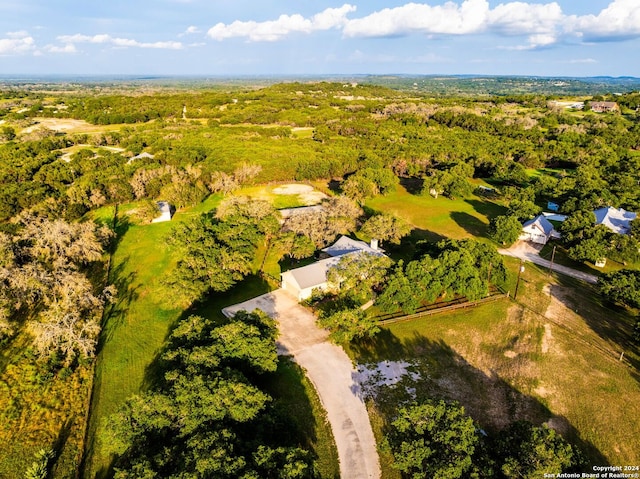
x: 374, y: 244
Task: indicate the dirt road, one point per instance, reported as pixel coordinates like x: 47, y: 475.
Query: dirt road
x: 331, y: 372
x: 529, y: 252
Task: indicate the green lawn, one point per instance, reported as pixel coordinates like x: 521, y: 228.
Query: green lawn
x: 435, y: 218
x: 134, y: 329
x: 542, y: 358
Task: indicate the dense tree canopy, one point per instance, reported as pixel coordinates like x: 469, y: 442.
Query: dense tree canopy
x: 462, y: 268
x: 207, y: 417
x: 433, y: 439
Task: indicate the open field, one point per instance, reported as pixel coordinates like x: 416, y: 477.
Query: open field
x: 68, y: 125
x: 551, y: 357
x: 439, y: 217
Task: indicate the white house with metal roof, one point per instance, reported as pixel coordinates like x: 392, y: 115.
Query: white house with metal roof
x: 617, y: 220
x: 301, y: 282
x: 538, y: 230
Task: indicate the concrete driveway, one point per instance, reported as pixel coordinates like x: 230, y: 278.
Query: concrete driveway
x: 529, y: 252
x: 331, y: 372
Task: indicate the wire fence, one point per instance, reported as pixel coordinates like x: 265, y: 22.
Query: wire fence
x: 456, y: 304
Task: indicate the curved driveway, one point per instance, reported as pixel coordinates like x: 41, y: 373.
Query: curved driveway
x: 331, y: 372
x: 528, y: 252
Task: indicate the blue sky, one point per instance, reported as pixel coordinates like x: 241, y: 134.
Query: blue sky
x: 285, y: 37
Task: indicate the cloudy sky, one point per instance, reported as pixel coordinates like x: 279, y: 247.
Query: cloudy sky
x: 286, y: 37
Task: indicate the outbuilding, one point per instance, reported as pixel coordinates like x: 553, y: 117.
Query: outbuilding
x: 538, y: 230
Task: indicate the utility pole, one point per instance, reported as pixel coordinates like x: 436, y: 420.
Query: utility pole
x: 520, y: 271
x: 553, y: 255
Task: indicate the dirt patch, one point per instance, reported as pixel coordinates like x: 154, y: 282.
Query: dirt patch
x: 307, y: 194
x: 59, y: 124
x: 370, y: 377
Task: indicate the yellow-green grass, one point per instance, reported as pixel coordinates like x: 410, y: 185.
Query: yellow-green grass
x: 439, y: 217
x: 39, y: 411
x: 536, y: 359
x: 561, y: 257
x: 136, y: 326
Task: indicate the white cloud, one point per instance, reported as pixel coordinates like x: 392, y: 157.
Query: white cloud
x: 620, y: 20
x: 190, y: 31
x: 450, y: 18
x: 17, y: 43
x: 583, y: 60
x: 18, y: 35
x: 118, y: 42
x: 273, y: 30
x: 543, y: 24
x: 517, y: 18
x: 68, y: 48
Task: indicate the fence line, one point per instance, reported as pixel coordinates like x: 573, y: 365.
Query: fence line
x: 449, y: 307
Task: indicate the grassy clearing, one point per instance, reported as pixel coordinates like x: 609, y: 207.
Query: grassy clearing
x: 561, y: 257
x: 436, y: 218
x: 537, y: 359
x: 134, y: 330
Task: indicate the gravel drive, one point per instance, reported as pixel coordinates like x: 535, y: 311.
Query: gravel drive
x: 528, y: 252
x: 332, y: 373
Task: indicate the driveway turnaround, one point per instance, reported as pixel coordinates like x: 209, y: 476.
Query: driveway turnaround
x: 529, y: 252
x: 331, y: 372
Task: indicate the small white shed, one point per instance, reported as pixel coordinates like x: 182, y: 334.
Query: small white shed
x: 166, y: 212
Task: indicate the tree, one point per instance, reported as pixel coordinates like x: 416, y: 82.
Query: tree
x: 349, y: 324
x: 386, y: 228
x: 432, y: 439
x: 576, y: 226
x: 505, y: 229
x: 215, y: 255
x: 622, y: 287
x: 39, y: 468
x: 338, y: 215
x: 41, y: 279
x: 296, y: 246
x: 530, y: 452
x: 523, y: 209
x: 593, y: 246
x: 369, y: 182
x: 358, y: 274
x: 207, y: 417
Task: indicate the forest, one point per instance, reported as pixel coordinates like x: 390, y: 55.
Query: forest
x: 83, y: 167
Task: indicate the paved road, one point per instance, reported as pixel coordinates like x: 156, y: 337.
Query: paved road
x: 528, y: 252
x: 332, y: 373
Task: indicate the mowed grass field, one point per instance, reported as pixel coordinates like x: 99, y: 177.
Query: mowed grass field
x: 440, y: 217
x: 551, y: 357
x: 135, y: 328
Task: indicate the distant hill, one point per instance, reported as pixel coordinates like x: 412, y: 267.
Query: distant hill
x: 437, y: 85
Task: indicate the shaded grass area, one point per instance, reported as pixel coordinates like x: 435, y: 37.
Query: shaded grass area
x: 296, y: 396
x: 435, y: 218
x: 505, y: 361
x: 561, y: 257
